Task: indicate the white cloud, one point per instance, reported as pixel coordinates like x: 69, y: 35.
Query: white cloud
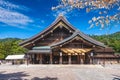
x: 67, y: 11
x: 60, y: 9
x: 13, y: 18
x: 9, y: 6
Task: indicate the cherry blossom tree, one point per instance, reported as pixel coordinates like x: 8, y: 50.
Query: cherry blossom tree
x: 105, y: 8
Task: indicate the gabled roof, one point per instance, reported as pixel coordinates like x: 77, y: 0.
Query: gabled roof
x: 81, y: 35
x: 59, y: 18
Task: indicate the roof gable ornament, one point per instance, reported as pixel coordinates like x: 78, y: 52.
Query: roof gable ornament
x: 61, y: 14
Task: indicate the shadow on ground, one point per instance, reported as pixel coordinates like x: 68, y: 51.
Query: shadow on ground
x: 116, y: 77
x: 12, y: 76
x: 46, y: 78
x: 19, y: 76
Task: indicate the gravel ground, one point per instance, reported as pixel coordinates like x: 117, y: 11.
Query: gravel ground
x: 59, y: 72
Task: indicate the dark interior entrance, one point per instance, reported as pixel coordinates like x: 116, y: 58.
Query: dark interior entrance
x: 87, y: 59
x: 56, y: 59
x: 34, y: 59
x: 65, y: 59
x: 45, y: 59
x: 74, y: 59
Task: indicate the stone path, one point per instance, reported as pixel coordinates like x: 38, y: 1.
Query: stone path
x: 59, y: 72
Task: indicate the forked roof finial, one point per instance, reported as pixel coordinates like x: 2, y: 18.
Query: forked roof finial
x: 61, y: 14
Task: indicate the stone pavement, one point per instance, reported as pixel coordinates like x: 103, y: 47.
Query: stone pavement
x: 59, y: 72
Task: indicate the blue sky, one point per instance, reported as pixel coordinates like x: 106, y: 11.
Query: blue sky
x: 25, y: 18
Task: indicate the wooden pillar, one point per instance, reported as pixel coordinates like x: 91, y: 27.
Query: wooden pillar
x: 81, y: 59
x: 103, y: 62
x: 51, y: 58
x: 27, y: 60
x: 69, y: 59
x: 37, y: 57
x: 78, y: 59
x: 84, y: 58
x: 118, y: 59
x: 33, y: 58
x: 40, y: 58
x: 93, y: 60
x: 60, y: 60
x: 90, y: 60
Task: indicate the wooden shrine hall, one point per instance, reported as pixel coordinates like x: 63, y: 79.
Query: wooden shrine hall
x: 61, y: 43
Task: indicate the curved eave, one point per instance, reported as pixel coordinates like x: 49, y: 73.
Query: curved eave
x: 59, y: 18
x: 82, y: 35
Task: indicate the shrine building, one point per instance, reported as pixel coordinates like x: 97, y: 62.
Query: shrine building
x: 61, y: 43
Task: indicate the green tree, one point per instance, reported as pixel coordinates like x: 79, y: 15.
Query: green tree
x: 9, y: 47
